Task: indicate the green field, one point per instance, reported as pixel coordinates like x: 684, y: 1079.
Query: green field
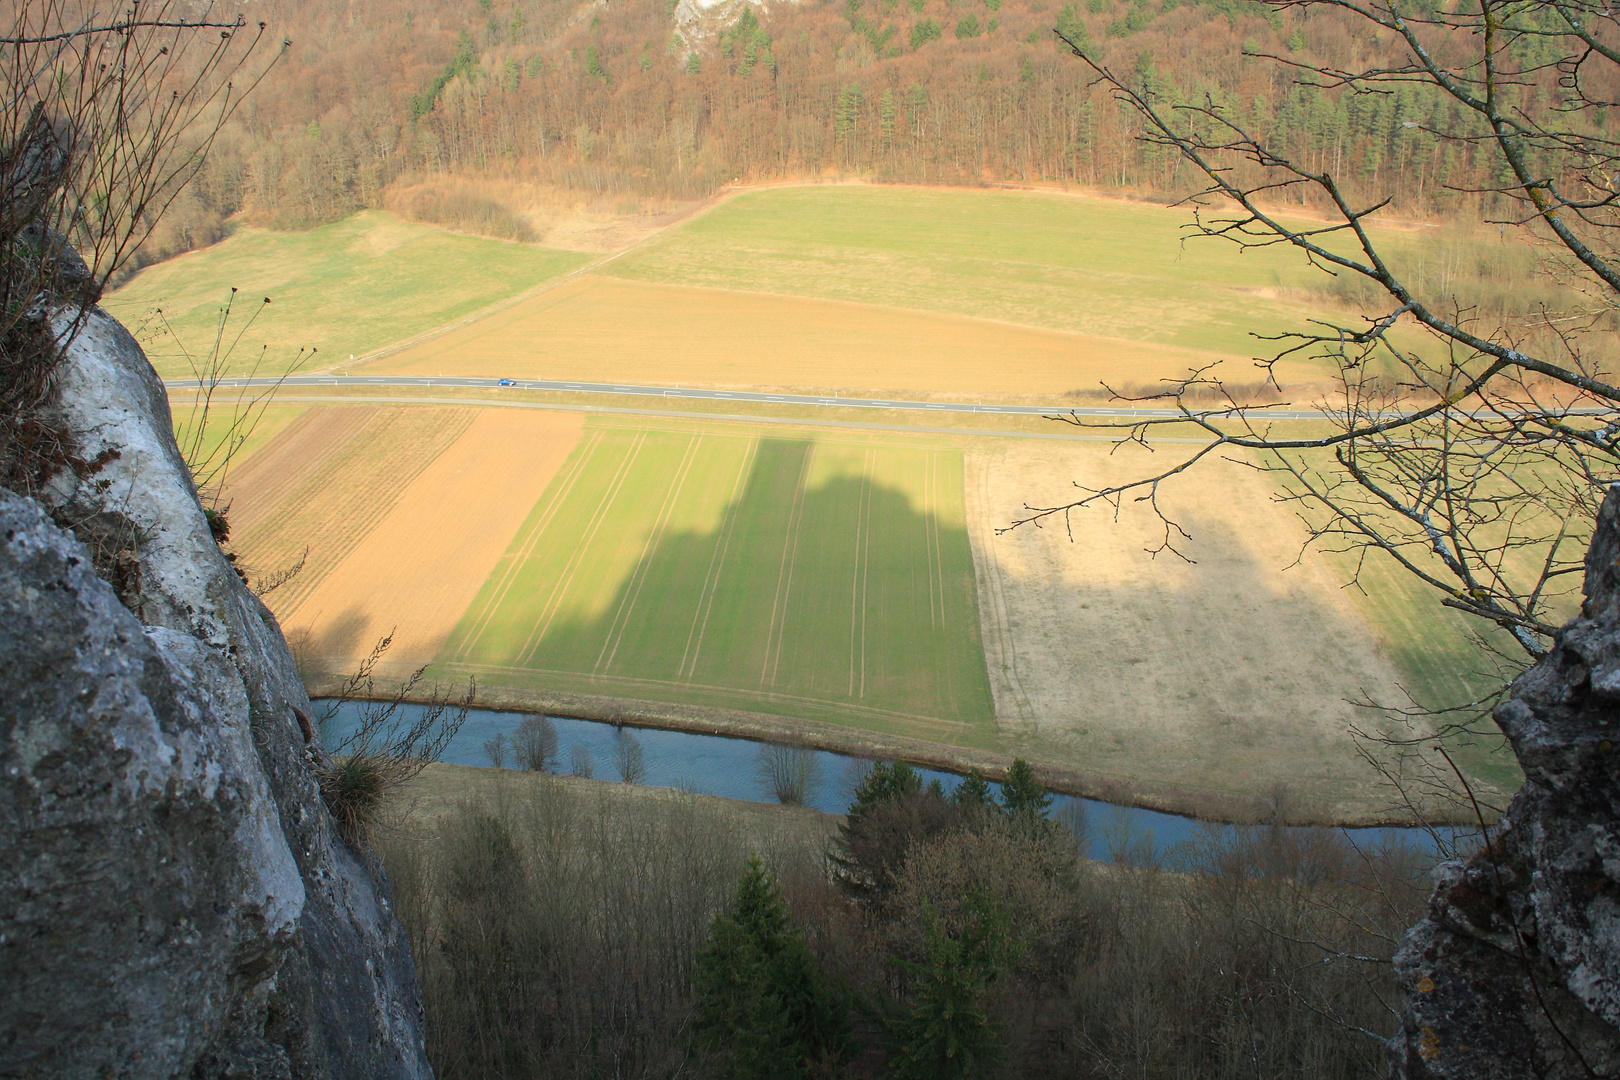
x: 1095, y: 266
x: 828, y: 578
x: 343, y: 288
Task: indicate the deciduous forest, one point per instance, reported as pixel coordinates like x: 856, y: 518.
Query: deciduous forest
x: 654, y: 98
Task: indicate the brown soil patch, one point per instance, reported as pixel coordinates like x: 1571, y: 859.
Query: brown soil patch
x: 558, y: 217
x: 598, y: 329
x: 1229, y: 674
x: 324, y: 482
x: 416, y: 571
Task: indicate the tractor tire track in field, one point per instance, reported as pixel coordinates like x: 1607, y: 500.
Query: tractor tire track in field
x: 564, y: 581
x: 858, y: 586
x: 309, y: 445
x: 627, y: 603
x: 711, y: 580
x: 376, y: 460
x: 519, y: 558
x: 784, y: 575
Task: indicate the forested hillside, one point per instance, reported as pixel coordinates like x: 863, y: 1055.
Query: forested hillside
x: 647, y: 97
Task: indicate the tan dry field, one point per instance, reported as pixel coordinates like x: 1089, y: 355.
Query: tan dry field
x: 559, y: 217
x: 601, y: 329
x: 415, y: 572
x: 1229, y: 674
x: 325, y: 481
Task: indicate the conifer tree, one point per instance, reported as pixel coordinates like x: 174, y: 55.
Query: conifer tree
x: 1022, y: 793
x: 948, y: 1033
x: 973, y: 792
x: 762, y: 1002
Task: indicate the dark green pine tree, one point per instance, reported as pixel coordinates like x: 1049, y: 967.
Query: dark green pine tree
x: 1022, y: 793
x: 948, y: 1033
x: 762, y: 1002
x: 972, y: 793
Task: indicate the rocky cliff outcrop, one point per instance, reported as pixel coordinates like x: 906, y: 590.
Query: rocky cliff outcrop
x: 1516, y: 971
x: 175, y: 898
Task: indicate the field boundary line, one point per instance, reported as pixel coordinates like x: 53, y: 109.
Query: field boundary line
x: 540, y: 288
x: 565, y: 579
x: 772, y: 695
x: 993, y: 614
x: 711, y: 580
x: 527, y: 543
x: 627, y: 604
x: 790, y: 546
x: 524, y: 546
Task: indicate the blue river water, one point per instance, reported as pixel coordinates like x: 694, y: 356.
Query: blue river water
x: 719, y: 765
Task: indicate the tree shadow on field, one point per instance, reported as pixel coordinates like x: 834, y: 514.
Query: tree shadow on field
x: 840, y: 592
x: 329, y: 646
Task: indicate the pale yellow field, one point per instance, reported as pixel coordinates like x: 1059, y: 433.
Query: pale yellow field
x: 415, y: 572
x: 1232, y: 673
x: 602, y: 329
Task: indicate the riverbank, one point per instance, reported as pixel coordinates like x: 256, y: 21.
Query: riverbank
x: 1224, y: 807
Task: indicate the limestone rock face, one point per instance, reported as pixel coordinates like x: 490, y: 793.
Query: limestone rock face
x: 176, y: 897
x: 1516, y: 970
x: 147, y: 878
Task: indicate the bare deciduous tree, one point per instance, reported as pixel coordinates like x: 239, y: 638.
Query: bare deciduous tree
x: 790, y: 774
x: 1469, y: 450
x: 628, y: 756
x: 534, y: 743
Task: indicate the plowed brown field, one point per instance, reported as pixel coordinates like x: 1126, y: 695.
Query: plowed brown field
x: 325, y: 481
x: 599, y: 329
x: 418, y: 569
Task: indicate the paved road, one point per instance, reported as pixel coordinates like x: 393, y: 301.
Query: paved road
x: 689, y: 393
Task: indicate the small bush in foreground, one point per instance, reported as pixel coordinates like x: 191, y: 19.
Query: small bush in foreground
x: 356, y: 788
x: 385, y: 749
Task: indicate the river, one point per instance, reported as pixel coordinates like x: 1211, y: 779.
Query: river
x: 719, y: 765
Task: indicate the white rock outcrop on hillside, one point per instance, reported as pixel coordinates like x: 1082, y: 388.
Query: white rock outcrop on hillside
x: 698, y: 22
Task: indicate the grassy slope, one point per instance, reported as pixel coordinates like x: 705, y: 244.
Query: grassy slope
x: 822, y: 577
x: 343, y: 288
x: 1090, y: 265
